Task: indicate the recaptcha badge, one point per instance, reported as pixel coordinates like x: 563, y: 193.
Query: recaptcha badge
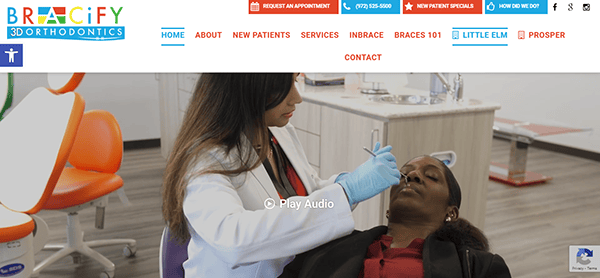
x: 584, y: 258
x: 11, y: 55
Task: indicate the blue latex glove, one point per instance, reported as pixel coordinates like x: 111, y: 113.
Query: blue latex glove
x: 341, y: 177
x: 372, y: 177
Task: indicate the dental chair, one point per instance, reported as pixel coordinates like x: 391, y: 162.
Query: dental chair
x: 172, y: 256
x: 36, y: 139
x: 95, y: 157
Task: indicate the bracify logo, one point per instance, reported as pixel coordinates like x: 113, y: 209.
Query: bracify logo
x: 583, y: 256
x: 66, y: 23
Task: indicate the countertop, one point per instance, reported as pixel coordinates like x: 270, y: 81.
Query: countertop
x: 353, y: 101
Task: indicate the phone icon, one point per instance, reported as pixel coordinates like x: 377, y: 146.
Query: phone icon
x: 345, y: 7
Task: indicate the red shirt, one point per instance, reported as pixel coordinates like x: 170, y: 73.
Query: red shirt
x: 292, y: 176
x: 383, y: 262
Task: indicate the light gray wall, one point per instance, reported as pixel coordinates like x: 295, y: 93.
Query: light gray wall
x: 132, y: 98
x: 559, y: 99
x: 562, y: 99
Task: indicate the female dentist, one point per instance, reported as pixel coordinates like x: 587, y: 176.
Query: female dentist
x: 238, y: 184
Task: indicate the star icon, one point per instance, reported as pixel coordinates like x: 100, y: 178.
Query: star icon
x: 408, y: 6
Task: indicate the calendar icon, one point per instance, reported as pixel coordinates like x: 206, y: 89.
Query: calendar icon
x: 521, y: 35
x: 254, y: 7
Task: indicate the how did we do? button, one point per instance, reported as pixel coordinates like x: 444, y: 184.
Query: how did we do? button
x: 516, y: 7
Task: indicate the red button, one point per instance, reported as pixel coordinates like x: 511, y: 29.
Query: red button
x: 292, y: 7
x: 441, y: 7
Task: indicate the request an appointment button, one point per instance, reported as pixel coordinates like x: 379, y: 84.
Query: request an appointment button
x: 293, y: 7
x: 516, y: 7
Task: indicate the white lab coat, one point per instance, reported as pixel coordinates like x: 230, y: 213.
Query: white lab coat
x: 233, y: 235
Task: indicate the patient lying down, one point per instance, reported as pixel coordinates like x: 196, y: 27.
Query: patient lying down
x: 424, y: 237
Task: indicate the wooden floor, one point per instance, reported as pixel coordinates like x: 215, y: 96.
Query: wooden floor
x: 141, y: 171
x: 531, y: 227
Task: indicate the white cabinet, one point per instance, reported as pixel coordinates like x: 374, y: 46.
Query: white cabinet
x: 333, y: 140
x: 307, y: 117
x: 343, y: 134
x: 307, y: 121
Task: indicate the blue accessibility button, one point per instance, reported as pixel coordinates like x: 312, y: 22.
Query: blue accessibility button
x: 516, y: 6
x: 11, y: 55
x: 370, y: 6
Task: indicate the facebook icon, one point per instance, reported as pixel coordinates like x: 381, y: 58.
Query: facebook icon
x: 11, y: 55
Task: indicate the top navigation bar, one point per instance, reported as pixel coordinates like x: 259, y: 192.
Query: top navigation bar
x: 412, y: 7
x: 300, y: 35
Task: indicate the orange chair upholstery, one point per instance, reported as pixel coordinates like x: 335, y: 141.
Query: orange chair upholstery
x: 14, y: 225
x: 61, y: 83
x: 38, y: 133
x: 77, y: 187
x: 96, y: 157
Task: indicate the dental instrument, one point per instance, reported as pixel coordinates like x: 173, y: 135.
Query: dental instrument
x: 369, y: 151
x: 374, y: 155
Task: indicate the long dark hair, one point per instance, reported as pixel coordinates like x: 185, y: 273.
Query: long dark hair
x: 223, y: 110
x: 462, y: 233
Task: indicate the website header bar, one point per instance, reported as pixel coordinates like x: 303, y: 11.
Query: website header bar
x: 314, y: 35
